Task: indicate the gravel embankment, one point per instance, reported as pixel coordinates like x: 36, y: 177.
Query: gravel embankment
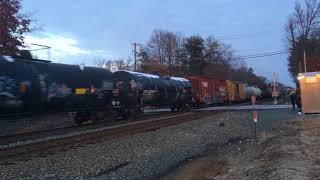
x: 26, y: 125
x: 287, y: 148
x: 146, y: 155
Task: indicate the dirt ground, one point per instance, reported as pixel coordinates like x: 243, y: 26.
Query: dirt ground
x: 291, y: 150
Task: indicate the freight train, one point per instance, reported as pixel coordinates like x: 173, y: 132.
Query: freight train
x: 210, y: 91
x: 37, y: 86
x: 135, y: 90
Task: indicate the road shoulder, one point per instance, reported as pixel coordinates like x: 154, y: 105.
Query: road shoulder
x: 289, y: 151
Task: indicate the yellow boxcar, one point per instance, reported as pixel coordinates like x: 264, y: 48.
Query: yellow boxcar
x: 236, y: 91
x: 231, y: 87
x: 242, y: 92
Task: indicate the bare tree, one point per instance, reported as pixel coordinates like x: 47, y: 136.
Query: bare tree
x: 301, y: 27
x: 99, y: 62
x: 108, y: 65
x: 212, y: 53
x: 156, y: 45
x: 128, y: 64
x: 162, y: 46
x: 291, y: 31
x: 304, y: 20
x: 307, y: 18
x: 170, y: 46
x: 122, y: 64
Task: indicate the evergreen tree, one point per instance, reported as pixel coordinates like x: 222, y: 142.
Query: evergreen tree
x: 194, y: 47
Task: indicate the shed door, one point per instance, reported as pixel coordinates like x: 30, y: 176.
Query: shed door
x: 310, y: 95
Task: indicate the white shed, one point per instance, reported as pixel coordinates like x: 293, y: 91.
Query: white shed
x: 310, y: 91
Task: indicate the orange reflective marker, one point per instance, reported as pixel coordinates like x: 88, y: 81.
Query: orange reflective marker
x: 253, y: 100
x: 255, y: 116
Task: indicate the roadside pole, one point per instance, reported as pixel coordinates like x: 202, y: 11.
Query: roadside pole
x: 135, y: 55
x: 255, y: 117
x: 255, y: 120
x: 274, y: 92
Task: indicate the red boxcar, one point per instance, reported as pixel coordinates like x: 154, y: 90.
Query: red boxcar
x: 208, y: 90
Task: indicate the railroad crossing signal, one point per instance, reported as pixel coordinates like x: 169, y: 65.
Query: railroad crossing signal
x: 255, y: 116
x: 275, y: 93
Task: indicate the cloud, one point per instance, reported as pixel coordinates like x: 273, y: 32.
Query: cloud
x: 62, y: 47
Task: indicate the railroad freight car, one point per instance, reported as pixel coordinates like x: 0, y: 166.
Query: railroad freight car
x: 208, y: 90
x: 236, y: 91
x: 36, y: 86
x: 136, y: 90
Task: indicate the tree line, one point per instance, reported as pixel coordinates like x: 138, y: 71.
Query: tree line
x: 303, y: 38
x: 168, y: 53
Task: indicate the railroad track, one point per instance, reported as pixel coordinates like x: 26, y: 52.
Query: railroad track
x: 20, y: 137
x: 52, y: 144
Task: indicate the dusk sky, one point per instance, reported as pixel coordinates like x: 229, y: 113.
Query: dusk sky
x: 79, y: 29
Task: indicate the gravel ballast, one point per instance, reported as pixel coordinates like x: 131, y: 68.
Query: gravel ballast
x: 140, y: 156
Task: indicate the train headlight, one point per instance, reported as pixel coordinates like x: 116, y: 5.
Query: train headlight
x: 113, y: 102
x: 118, y: 103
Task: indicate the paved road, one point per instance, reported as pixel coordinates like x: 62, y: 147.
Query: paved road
x: 228, y: 108
x: 247, y: 107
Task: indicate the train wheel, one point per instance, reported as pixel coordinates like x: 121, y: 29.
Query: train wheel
x: 125, y: 113
x: 187, y: 107
x: 98, y: 116
x: 137, y: 112
x: 81, y: 117
x: 172, y: 108
x: 78, y: 119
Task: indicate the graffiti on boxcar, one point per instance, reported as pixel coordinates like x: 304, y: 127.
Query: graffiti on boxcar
x: 43, y: 84
x: 58, y: 91
x: 223, y: 91
x: 9, y: 90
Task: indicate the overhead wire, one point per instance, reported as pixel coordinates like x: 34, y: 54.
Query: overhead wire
x: 266, y: 54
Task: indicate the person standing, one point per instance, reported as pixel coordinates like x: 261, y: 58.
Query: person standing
x: 298, y: 101
x: 293, y: 100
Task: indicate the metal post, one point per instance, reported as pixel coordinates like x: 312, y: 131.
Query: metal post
x: 255, y: 117
x: 304, y: 61
x: 255, y: 133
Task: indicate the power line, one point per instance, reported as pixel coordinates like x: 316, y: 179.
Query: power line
x: 43, y: 47
x: 243, y: 50
x: 265, y: 55
x: 262, y: 54
x: 241, y: 36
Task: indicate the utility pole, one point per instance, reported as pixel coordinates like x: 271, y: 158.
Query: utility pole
x: 300, y: 67
x: 135, y: 54
x: 274, y: 88
x: 304, y: 61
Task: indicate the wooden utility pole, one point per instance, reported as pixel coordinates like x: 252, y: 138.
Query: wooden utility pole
x: 274, y: 93
x: 304, y: 61
x: 135, y: 55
